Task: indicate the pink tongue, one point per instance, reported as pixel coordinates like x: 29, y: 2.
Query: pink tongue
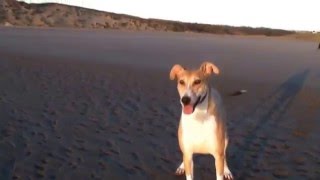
x: 188, y: 109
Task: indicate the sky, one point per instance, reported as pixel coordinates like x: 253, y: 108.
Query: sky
x: 281, y: 14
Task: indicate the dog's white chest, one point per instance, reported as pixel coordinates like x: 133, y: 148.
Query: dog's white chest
x: 199, y: 134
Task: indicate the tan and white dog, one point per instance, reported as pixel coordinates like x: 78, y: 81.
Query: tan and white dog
x: 202, y: 127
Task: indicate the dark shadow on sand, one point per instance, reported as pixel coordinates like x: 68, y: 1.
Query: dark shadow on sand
x: 269, y: 112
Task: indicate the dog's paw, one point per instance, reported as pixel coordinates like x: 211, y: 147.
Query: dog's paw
x: 179, y: 171
x: 227, y: 174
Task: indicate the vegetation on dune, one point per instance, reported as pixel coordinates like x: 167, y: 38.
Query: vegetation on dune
x: 57, y: 15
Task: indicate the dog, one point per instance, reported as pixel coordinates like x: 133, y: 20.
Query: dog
x: 202, y: 127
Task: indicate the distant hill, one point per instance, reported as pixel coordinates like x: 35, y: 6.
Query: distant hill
x: 57, y: 15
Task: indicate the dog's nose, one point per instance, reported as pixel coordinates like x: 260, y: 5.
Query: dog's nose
x: 185, y: 100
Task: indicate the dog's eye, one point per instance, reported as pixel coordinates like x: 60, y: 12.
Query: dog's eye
x: 196, y: 82
x: 181, y: 82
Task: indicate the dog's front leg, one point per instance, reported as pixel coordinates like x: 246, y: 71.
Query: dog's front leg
x: 219, y: 162
x: 188, y: 165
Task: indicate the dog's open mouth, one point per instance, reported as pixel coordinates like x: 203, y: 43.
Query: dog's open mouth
x: 189, y: 108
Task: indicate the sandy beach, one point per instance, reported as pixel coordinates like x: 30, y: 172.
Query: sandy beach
x: 95, y: 104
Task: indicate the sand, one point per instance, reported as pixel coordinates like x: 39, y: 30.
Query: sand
x: 82, y: 104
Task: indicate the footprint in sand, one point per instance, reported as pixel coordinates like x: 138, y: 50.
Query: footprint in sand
x: 105, y: 153
x: 15, y: 176
x: 102, y: 165
x: 84, y: 109
x: 125, y: 140
x: 39, y: 167
x: 132, y: 105
x: 44, y: 161
x: 28, y: 153
x: 166, y: 160
x: 40, y: 174
x: 114, y: 151
x: 81, y: 141
x: 280, y: 173
x: 50, y: 154
x: 109, y: 143
x: 67, y: 150
x: 135, y: 156
x: 73, y: 165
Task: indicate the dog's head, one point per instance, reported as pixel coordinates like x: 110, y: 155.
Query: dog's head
x: 192, y: 84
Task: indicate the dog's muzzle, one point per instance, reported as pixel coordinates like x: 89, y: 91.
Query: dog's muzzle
x: 188, y: 108
x: 185, y: 100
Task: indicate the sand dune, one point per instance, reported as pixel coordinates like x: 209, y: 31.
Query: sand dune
x: 99, y: 104
x: 14, y: 13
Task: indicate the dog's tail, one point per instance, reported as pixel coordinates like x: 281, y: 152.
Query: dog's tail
x: 239, y: 92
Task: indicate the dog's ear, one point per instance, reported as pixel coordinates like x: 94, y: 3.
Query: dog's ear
x: 175, y: 70
x: 208, y: 68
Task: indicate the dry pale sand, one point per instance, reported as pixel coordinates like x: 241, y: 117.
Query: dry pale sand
x: 99, y: 104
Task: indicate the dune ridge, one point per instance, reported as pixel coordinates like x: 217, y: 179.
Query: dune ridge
x: 58, y: 15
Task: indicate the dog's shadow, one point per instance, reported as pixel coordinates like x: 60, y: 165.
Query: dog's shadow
x: 268, y: 113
